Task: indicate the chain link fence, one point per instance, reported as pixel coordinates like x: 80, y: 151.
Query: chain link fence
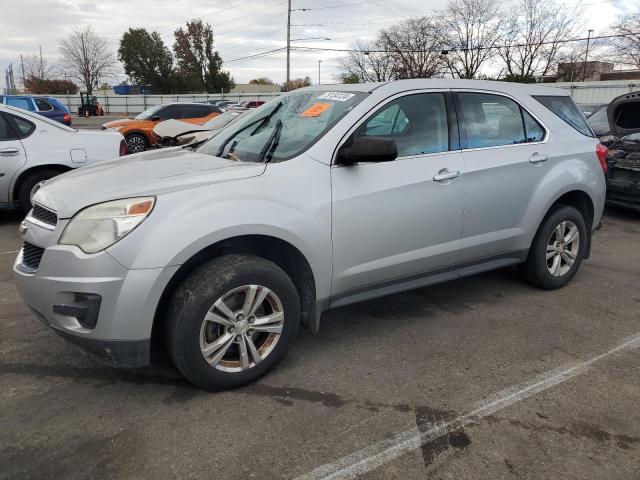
x: 133, y: 104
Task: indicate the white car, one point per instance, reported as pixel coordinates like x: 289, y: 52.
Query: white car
x: 34, y: 149
x: 172, y: 133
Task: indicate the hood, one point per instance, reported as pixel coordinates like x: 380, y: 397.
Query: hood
x: 173, y: 128
x: 124, y: 122
x: 623, y: 114
x: 149, y: 173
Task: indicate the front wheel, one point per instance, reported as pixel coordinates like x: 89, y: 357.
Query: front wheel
x: 231, y: 321
x: 557, y: 249
x: 136, y: 143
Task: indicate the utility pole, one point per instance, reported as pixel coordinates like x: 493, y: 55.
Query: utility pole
x: 586, y: 56
x: 288, y: 42
x: 22, y: 65
x: 319, y: 62
x: 41, y: 64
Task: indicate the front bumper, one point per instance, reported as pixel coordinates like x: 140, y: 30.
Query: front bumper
x: 624, y: 193
x: 128, y: 300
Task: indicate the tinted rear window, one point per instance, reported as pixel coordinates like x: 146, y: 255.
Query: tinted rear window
x: 564, y: 108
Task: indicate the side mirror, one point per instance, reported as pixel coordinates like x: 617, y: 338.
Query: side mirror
x: 367, y: 149
x: 155, y: 118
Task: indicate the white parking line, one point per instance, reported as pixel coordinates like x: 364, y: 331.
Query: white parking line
x: 371, y: 457
x: 11, y: 251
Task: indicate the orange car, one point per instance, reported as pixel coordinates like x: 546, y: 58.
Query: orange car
x: 137, y: 131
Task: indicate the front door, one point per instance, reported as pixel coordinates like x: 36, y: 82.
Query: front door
x: 394, y: 222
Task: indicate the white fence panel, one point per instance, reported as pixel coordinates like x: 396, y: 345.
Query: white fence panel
x: 132, y: 104
x: 598, y: 92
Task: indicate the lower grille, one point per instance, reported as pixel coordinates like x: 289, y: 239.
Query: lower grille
x: 31, y: 255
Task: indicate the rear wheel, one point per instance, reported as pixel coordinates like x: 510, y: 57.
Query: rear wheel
x: 136, y: 143
x: 231, y: 321
x: 557, y: 249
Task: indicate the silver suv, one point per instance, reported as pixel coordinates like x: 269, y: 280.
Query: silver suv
x: 318, y: 199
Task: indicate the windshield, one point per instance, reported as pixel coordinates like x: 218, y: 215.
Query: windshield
x: 222, y: 120
x: 284, y: 127
x: 148, y: 113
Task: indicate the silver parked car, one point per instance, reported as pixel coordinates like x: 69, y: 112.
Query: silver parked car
x: 321, y: 198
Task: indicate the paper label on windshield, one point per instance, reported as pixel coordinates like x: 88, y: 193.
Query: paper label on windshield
x: 336, y: 96
x: 316, y: 110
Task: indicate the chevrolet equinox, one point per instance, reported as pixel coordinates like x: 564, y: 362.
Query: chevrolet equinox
x: 325, y: 196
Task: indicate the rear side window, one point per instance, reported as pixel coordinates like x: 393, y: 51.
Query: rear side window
x: 533, y: 130
x: 23, y: 127
x: 564, y: 108
x: 491, y: 120
x: 57, y: 104
x: 43, y: 105
x: 6, y: 132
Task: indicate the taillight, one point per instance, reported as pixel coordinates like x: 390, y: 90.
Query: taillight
x: 124, y: 150
x: 602, y: 153
x: 67, y: 119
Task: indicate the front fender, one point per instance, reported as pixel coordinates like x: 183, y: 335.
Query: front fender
x: 185, y: 222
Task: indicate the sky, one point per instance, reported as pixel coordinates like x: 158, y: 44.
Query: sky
x: 241, y: 28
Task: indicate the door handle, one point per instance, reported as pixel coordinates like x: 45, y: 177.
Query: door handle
x: 445, y: 174
x: 538, y: 158
x: 9, y: 152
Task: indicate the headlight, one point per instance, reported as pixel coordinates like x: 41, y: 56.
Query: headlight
x: 100, y: 226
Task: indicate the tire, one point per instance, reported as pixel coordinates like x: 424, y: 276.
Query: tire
x: 136, y: 143
x: 24, y: 192
x: 189, y: 335
x: 556, y: 271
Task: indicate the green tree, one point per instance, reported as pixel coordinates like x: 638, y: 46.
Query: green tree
x: 198, y: 64
x: 146, y: 60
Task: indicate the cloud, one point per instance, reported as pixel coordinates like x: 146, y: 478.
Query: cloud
x: 242, y: 28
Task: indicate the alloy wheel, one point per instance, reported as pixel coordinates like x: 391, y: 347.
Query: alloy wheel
x: 241, y: 328
x: 136, y: 144
x: 562, y: 248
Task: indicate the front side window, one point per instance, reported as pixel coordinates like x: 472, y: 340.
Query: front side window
x: 6, y: 132
x: 564, y: 108
x: 417, y: 123
x: 283, y: 128
x: 23, y: 103
x: 43, y: 105
x: 491, y: 120
x: 150, y: 112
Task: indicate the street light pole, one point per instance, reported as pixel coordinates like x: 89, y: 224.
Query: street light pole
x: 319, y: 62
x: 288, y: 42
x: 586, y: 56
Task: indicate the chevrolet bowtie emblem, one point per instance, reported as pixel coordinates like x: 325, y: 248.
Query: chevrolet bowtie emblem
x: 22, y: 229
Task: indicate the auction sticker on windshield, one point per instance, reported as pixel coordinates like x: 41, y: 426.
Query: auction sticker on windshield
x: 316, y: 110
x: 336, y: 96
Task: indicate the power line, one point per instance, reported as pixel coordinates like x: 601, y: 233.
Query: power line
x: 335, y: 6
x: 256, y: 55
x: 447, y: 50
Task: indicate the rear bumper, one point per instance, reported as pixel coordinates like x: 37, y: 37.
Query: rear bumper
x: 624, y: 193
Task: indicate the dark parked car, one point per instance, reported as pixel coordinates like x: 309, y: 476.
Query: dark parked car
x: 621, y: 134
x: 46, y: 106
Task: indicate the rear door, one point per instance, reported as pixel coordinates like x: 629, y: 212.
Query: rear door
x: 506, y: 157
x: 395, y: 222
x: 12, y: 154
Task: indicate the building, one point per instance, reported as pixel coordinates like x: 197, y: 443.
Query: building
x: 254, y: 89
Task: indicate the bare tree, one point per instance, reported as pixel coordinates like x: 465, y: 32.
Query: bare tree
x: 413, y: 47
x: 626, y: 48
x: 536, y: 32
x: 470, y: 29
x: 36, y: 66
x: 366, y: 63
x: 87, y: 58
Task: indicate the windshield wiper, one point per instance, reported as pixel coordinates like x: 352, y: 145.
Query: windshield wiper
x: 261, y: 121
x: 271, y: 144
